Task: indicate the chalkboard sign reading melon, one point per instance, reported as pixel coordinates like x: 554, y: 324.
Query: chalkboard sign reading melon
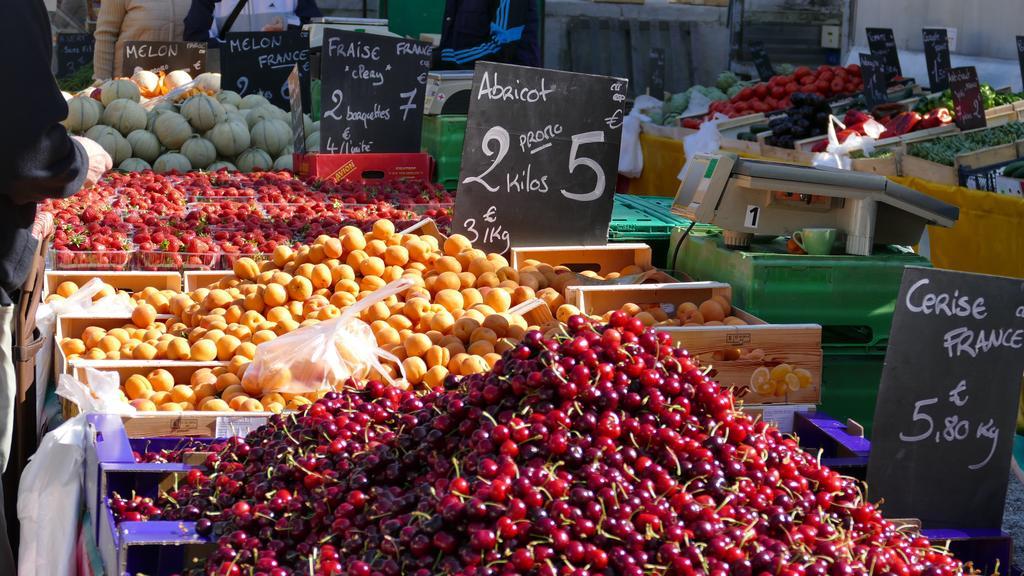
x: 540, y: 157
x: 259, y: 63
x: 371, y: 93
x: 164, y: 57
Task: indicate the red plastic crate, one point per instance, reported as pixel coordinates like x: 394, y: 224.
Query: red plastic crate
x: 381, y: 167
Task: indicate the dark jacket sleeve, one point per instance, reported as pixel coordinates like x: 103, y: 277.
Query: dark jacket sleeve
x: 198, y: 21
x: 38, y: 158
x: 529, y: 45
x: 306, y: 10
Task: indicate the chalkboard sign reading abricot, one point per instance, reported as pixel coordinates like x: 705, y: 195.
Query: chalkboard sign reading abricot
x: 882, y: 43
x: 876, y: 87
x: 540, y: 157
x: 371, y: 94
x: 936, y: 54
x: 164, y: 57
x: 966, y: 89
x: 260, y: 62
x: 765, y: 70
x: 74, y: 51
x: 947, y: 405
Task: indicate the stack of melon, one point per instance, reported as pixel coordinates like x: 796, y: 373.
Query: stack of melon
x: 201, y: 133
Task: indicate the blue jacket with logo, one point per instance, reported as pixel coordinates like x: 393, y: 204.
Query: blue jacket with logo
x: 494, y: 30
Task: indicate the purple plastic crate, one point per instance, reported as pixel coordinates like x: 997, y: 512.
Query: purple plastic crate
x: 986, y: 549
x: 841, y: 449
x: 151, y: 548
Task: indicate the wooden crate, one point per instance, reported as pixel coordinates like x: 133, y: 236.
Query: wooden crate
x: 127, y: 281
x: 701, y: 2
x: 535, y: 311
x: 72, y: 326
x: 741, y: 146
x: 426, y: 227
x: 195, y: 279
x: 781, y: 415
x: 181, y: 371
x: 736, y: 353
x: 882, y: 166
x: 192, y: 424
x: 602, y: 259
x: 935, y: 172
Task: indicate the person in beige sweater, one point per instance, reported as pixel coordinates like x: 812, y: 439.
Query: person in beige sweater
x: 123, y: 21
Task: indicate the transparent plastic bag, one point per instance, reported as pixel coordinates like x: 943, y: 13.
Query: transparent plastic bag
x: 707, y: 140
x: 325, y: 355
x: 631, y: 156
x: 50, y: 491
x: 838, y: 155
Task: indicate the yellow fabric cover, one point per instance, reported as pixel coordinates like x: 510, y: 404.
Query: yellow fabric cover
x: 663, y: 159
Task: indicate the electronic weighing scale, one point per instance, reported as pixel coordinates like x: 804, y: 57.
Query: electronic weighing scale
x: 748, y: 197
x: 448, y: 92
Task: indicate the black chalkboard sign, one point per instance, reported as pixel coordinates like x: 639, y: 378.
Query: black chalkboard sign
x: 260, y: 62
x: 970, y: 111
x: 1020, y: 55
x: 882, y: 43
x: 876, y: 87
x: 164, y: 56
x: 936, y: 54
x: 540, y: 159
x: 656, y: 73
x: 295, y: 101
x: 765, y: 70
x: 74, y: 51
x: 947, y: 406
x: 371, y: 94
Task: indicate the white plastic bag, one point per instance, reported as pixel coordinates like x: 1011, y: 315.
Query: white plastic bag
x: 707, y: 140
x: 324, y: 355
x: 698, y: 106
x: 838, y: 155
x: 631, y: 156
x: 50, y: 492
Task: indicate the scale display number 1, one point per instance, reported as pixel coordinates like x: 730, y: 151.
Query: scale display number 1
x: 540, y: 157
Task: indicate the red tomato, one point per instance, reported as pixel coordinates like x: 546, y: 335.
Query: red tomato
x: 821, y: 86
x: 849, y: 88
x: 827, y: 76
x: 792, y: 87
x: 801, y: 72
x: 761, y: 90
x: 805, y: 80
x: 778, y: 92
x: 853, y: 69
x: 741, y: 107
x: 809, y: 89
x: 745, y: 94
x: 841, y: 73
x: 837, y: 85
x: 772, y: 103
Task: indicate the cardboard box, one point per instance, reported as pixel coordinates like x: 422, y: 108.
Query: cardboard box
x: 357, y: 167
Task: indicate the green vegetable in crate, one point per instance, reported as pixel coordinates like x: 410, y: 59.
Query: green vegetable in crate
x: 945, y: 150
x: 726, y: 80
x: 1014, y: 169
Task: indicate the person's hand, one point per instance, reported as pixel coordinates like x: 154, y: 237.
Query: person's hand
x: 276, y: 26
x: 99, y: 160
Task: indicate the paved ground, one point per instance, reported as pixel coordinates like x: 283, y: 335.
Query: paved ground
x: 1013, y: 518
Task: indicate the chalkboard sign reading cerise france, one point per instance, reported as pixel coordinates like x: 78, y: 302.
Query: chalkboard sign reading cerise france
x: 762, y: 62
x: 936, y: 54
x: 259, y: 63
x: 966, y: 89
x: 371, y: 93
x: 164, y: 57
x: 74, y: 51
x: 540, y: 157
x: 876, y: 87
x: 947, y: 406
x: 882, y: 43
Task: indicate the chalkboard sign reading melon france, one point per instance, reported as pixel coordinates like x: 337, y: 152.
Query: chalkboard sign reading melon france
x: 371, y: 94
x: 762, y: 62
x: 164, y: 57
x: 876, y: 87
x: 882, y: 43
x: 936, y: 54
x: 540, y: 157
x: 966, y: 89
x: 260, y: 62
x: 74, y: 51
x: 947, y: 407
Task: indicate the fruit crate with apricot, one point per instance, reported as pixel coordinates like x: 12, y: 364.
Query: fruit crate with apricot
x: 181, y: 352
x: 763, y: 363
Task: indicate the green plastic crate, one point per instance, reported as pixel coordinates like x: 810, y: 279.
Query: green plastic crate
x: 849, y: 383
x: 851, y: 297
x: 442, y: 138
x: 636, y: 220
x: 413, y: 17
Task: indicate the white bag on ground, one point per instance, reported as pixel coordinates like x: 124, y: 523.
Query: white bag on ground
x: 50, y: 492
x: 631, y: 156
